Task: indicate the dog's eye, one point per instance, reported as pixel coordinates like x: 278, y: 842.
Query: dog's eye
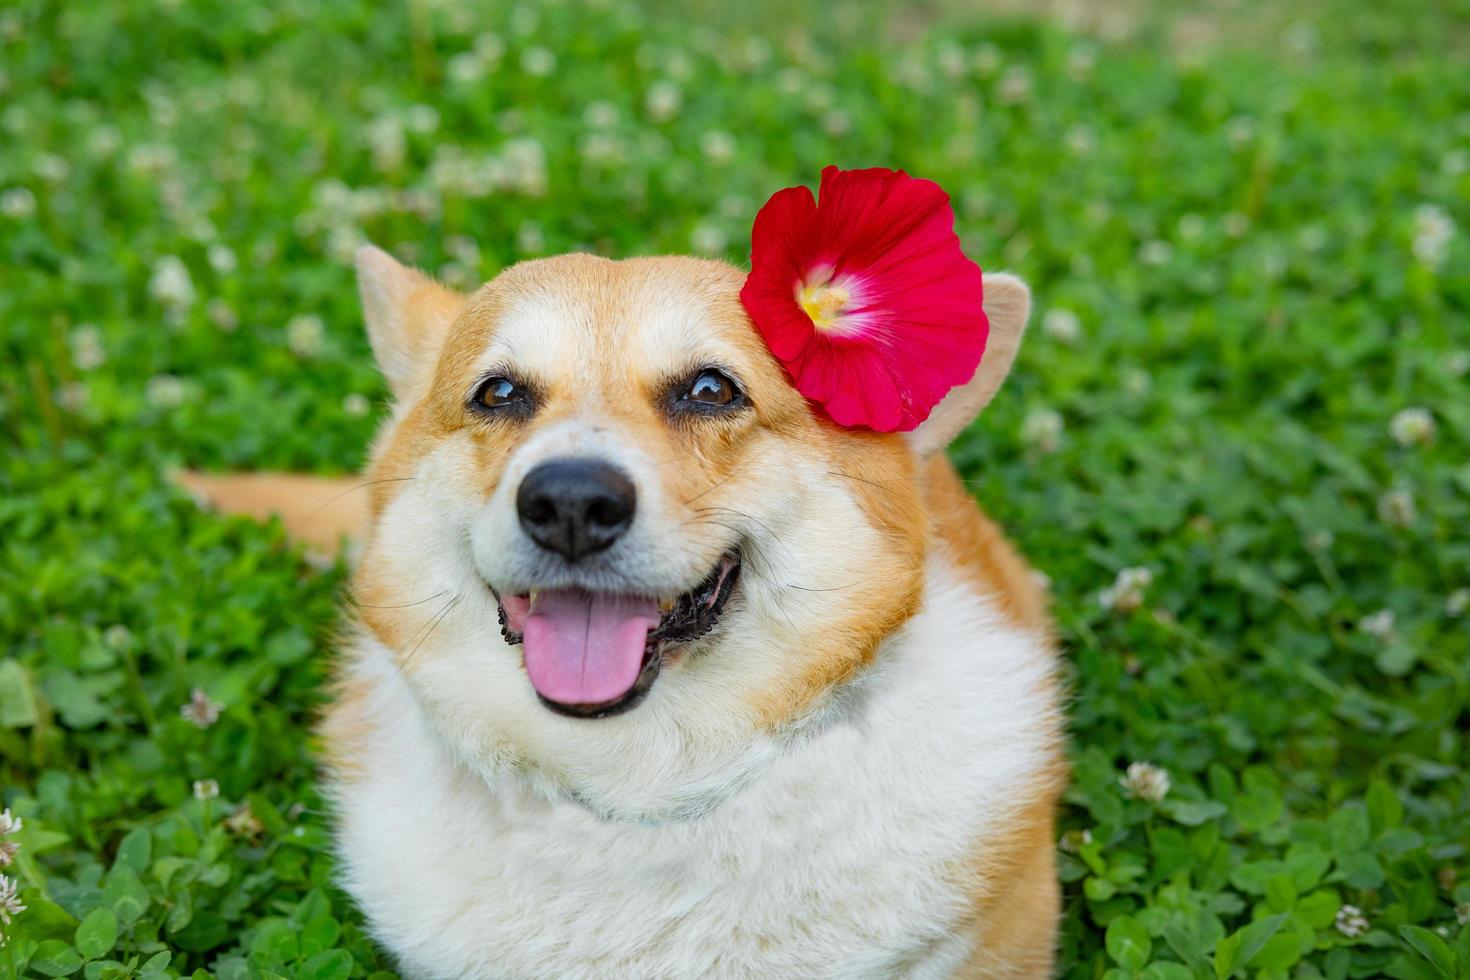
x: 502, y: 393
x: 712, y: 389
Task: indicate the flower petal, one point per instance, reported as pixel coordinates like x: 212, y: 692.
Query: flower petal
x: 914, y: 326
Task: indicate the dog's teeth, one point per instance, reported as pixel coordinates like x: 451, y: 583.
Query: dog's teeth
x: 664, y: 605
x: 533, y: 594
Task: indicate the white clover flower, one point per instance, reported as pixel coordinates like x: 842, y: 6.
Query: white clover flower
x: 1062, y: 325
x: 1455, y: 163
x: 87, y: 350
x: 1462, y: 913
x: 1136, y: 381
x: 9, y: 900
x: 1457, y: 603
x: 1126, y: 592
x: 708, y: 239
x: 1396, y: 508
x: 1301, y: 37
x: 1042, y: 430
x: 200, y: 710
x: 456, y: 276
x: 165, y: 391
x: 343, y: 241
x: 170, y: 284
x: 355, y: 405
x: 8, y: 850
x: 530, y: 240
x: 490, y: 47
x: 10, y: 823
x: 1074, y: 840
x: 464, y: 250
x: 51, y: 167
x: 718, y: 146
x: 538, y: 61
x: 17, y: 202
x: 1318, y: 541
x: 244, y: 823
x: 1236, y: 224
x: 222, y: 315
x: 73, y: 396
x: 836, y: 123
x: 525, y: 166
x: 305, y: 335
x: 1145, y: 781
x: 421, y: 119
x: 1191, y: 228
x: 1351, y: 921
x: 600, y: 114
x: 1014, y: 86
x: 1433, y: 230
x: 1080, y: 140
x: 222, y: 259
x: 1240, y: 131
x: 601, y: 148
x: 466, y: 68
x: 1411, y: 426
x: 206, y: 789
x: 950, y: 58
x: 387, y: 143
x: 662, y: 101
x: 790, y: 81
x: 1457, y: 363
x: 1378, y: 625
x: 1156, y: 252
x: 151, y: 158
x: 1313, y: 238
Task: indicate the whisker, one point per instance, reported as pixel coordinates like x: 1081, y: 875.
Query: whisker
x: 432, y: 626
x: 361, y: 486
x: 712, y: 487
x: 368, y: 605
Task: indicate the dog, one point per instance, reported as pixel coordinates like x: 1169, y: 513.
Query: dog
x: 652, y: 671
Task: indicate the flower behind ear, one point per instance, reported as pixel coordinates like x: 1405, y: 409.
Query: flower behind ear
x: 865, y: 296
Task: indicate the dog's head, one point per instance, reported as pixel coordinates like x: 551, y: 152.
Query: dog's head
x: 613, y: 549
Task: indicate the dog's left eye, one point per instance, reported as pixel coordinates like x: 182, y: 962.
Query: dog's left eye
x: 710, y: 390
x: 502, y: 394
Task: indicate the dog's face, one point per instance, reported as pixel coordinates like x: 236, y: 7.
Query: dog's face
x: 613, y: 550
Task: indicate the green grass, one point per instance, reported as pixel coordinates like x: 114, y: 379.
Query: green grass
x: 1239, y: 283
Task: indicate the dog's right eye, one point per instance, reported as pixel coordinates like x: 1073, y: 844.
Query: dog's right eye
x: 709, y: 392
x: 499, y: 394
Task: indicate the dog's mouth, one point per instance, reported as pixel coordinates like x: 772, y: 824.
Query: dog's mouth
x: 595, y: 654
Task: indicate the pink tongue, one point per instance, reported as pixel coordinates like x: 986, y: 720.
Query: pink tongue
x: 585, y: 648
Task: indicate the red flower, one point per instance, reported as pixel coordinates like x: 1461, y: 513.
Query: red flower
x: 866, y: 297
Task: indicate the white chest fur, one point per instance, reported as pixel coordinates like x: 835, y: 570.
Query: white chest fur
x: 837, y: 861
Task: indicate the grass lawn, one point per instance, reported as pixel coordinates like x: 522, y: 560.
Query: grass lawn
x: 1237, y: 441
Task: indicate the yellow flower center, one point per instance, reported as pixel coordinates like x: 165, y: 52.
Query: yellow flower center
x: 824, y: 303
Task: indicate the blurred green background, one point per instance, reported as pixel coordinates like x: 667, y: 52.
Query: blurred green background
x: 1236, y: 441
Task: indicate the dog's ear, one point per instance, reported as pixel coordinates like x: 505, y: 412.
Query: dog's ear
x: 407, y: 316
x: 1007, y: 304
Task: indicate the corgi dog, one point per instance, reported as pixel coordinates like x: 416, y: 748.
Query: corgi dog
x: 652, y: 671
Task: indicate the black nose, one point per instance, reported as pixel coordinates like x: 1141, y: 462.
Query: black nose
x: 575, y: 507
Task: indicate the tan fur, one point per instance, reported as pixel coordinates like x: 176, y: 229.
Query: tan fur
x: 980, y: 549
x: 1017, y: 897
x: 319, y: 511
